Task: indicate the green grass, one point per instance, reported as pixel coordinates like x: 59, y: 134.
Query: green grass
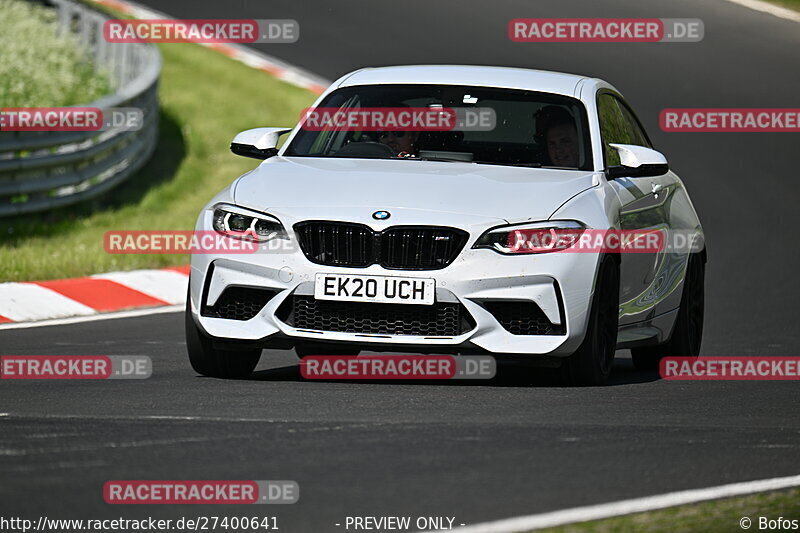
x: 206, y: 98
x: 791, y: 4
x: 37, y: 68
x: 717, y: 516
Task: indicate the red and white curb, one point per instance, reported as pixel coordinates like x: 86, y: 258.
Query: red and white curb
x: 93, y: 295
x: 257, y: 60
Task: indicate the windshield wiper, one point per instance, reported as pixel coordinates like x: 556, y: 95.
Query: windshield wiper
x: 443, y: 155
x: 440, y: 158
x: 529, y: 165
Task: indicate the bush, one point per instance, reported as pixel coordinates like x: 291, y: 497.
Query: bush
x: 39, y: 68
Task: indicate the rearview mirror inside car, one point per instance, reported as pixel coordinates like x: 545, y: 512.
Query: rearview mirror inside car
x: 637, y: 162
x: 258, y: 143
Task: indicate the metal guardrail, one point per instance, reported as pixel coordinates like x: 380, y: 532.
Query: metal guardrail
x: 44, y: 170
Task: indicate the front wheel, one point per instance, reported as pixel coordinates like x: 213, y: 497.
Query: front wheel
x: 591, y: 363
x: 687, y: 334
x: 214, y: 362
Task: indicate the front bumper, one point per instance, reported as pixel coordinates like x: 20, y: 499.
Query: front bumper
x: 560, y: 284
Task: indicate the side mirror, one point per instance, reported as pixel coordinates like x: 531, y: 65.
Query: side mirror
x: 259, y: 143
x: 637, y: 162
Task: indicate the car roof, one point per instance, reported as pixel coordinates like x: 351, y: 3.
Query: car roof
x: 505, y: 77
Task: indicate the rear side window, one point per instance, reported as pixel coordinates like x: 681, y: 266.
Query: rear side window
x: 619, y: 126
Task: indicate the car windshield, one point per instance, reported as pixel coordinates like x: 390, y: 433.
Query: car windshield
x: 447, y: 123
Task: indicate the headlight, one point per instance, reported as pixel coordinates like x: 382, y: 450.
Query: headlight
x: 243, y: 224
x: 536, y: 238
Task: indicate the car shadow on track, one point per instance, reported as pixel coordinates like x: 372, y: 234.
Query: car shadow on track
x: 508, y: 375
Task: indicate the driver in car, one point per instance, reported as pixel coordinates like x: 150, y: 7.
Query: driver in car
x: 402, y: 142
x: 555, y: 127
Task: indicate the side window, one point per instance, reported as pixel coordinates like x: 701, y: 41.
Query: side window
x: 613, y: 127
x: 637, y: 135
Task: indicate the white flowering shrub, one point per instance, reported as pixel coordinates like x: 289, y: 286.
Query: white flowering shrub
x: 39, y: 68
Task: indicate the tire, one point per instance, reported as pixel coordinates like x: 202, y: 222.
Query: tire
x: 687, y: 334
x: 591, y: 363
x: 214, y: 362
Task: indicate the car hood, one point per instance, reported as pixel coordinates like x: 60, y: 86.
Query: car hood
x: 323, y: 187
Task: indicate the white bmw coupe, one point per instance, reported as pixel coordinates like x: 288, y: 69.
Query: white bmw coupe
x: 413, y: 239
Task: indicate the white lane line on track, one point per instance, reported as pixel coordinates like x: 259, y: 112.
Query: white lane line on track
x: 44, y: 450
x: 60, y: 465
x: 625, y: 507
x: 177, y: 418
x: 772, y: 9
x: 144, y: 418
x: 93, y: 318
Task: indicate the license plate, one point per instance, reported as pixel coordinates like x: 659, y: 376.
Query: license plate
x: 381, y: 289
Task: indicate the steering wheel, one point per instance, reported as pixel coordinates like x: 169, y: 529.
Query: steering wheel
x: 366, y: 149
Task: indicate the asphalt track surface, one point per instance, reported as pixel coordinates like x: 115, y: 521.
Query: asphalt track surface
x: 476, y: 451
